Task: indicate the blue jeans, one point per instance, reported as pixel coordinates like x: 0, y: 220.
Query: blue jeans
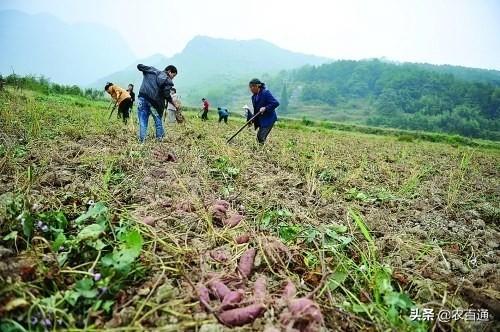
x: 144, y: 109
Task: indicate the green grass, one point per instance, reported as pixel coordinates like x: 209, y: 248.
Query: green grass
x: 354, y: 204
x: 402, y: 135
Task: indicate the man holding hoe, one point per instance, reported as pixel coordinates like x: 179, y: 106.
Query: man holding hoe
x: 204, y: 107
x: 154, y: 95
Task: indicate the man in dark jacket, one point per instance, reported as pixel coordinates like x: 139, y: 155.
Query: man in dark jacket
x: 264, y: 104
x: 154, y: 94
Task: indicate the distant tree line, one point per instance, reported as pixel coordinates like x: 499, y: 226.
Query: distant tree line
x: 407, y: 96
x: 43, y: 85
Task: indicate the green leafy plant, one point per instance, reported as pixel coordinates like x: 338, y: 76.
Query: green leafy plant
x: 89, y: 238
x: 289, y: 233
x: 326, y: 176
x: 272, y: 218
x: 355, y: 194
x: 334, y: 236
x: 120, y: 260
x: 222, y: 168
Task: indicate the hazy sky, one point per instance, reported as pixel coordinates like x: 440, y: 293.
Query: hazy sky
x: 459, y: 32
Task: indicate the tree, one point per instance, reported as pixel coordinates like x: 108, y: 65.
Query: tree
x: 284, y: 101
x: 388, y: 102
x: 494, y: 109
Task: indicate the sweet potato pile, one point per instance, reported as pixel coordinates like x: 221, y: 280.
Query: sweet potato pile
x: 232, y: 307
x: 236, y: 302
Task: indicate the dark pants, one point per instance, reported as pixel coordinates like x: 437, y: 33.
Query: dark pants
x: 124, y: 109
x: 263, y: 132
x: 204, y: 116
x: 223, y: 117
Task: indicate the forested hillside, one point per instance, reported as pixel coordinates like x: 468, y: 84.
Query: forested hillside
x: 403, y: 96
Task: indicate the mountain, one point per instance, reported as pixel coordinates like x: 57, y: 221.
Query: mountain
x: 66, y: 53
x: 204, y: 57
x: 213, y: 61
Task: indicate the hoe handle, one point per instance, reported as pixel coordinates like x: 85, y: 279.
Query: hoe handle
x: 246, y: 124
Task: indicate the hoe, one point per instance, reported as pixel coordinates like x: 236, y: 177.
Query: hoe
x: 246, y: 124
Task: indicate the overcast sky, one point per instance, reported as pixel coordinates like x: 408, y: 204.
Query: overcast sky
x: 459, y: 32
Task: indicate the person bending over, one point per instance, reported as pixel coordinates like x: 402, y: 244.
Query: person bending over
x: 154, y: 94
x: 122, y: 100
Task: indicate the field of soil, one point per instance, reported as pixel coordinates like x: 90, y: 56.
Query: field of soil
x: 99, y: 232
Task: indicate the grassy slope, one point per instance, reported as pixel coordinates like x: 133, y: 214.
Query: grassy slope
x: 356, y: 112
x: 382, y: 218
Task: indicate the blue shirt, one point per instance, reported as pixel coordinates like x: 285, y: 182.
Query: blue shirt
x: 264, y: 99
x: 223, y: 112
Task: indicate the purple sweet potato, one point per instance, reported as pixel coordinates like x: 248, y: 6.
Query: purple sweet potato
x: 241, y: 316
x: 219, y: 255
x: 305, y: 314
x: 203, y: 296
x: 218, y: 288
x: 244, y: 238
x: 233, y: 221
x: 302, y: 315
x: 148, y: 221
x: 218, y: 212
x: 219, y: 208
x: 289, y: 290
x: 260, y: 289
x: 232, y: 299
x: 245, y: 265
x: 306, y: 309
x: 222, y: 202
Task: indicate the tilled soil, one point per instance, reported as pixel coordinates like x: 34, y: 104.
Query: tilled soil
x: 435, y: 222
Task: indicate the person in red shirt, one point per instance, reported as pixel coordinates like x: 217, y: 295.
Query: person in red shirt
x: 204, y: 116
